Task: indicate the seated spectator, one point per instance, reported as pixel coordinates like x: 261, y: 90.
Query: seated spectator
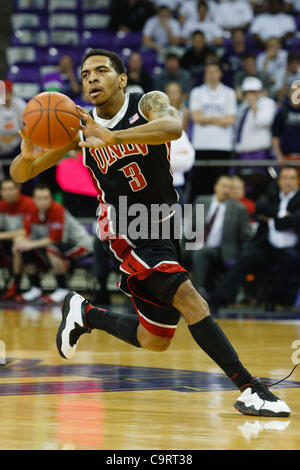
x: 213, y: 109
x: 232, y: 59
x: 238, y: 193
x: 234, y: 14
x: 11, y: 121
x: 182, y: 155
x: 136, y: 74
x: 286, y: 132
x: 130, y: 15
x: 54, y: 239
x: 189, y: 11
x: 226, y: 228
x: 272, y: 22
x: 276, y: 241
x: 249, y: 69
x: 196, y: 56
x: 161, y: 30
x: 13, y: 207
x: 253, y: 135
x: 174, y: 5
x: 174, y: 92
x: 212, y: 31
x: 70, y: 84
x: 292, y: 73
x: 273, y: 62
x: 173, y: 73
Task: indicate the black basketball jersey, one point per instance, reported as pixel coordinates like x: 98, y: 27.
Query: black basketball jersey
x: 139, y: 171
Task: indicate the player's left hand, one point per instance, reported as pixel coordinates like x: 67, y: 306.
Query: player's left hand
x: 95, y: 134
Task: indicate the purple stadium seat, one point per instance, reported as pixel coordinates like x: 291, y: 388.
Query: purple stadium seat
x: 52, y: 55
x: 150, y: 59
x: 24, y: 55
x: 65, y: 5
x: 64, y: 38
x: 28, y: 21
x: 95, y: 5
x: 24, y: 73
x: 131, y: 40
x: 101, y: 39
x: 63, y: 21
x: 29, y: 5
x: 95, y: 21
x: 27, y: 37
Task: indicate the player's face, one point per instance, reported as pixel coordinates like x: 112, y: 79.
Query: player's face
x: 100, y: 80
x: 42, y: 199
x: 9, y: 192
x: 288, y: 180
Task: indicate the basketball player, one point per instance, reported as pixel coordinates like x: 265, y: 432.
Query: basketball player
x: 125, y: 141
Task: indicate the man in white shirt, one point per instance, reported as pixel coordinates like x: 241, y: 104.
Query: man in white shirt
x: 202, y: 22
x: 273, y: 22
x: 273, y: 62
x: 253, y: 134
x: 10, y: 122
x: 161, y: 31
x: 275, y: 243
x: 234, y: 14
x: 226, y: 227
x: 213, y: 109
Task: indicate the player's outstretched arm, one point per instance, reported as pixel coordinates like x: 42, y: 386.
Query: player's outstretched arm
x: 164, y: 125
x: 33, y: 160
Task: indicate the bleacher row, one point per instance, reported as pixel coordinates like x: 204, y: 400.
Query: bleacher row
x: 46, y: 30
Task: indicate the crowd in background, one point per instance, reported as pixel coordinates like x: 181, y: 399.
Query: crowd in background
x: 227, y: 67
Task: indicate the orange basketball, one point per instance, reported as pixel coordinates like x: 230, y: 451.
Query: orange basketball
x: 48, y: 119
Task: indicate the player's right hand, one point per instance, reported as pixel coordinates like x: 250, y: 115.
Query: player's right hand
x: 30, y: 151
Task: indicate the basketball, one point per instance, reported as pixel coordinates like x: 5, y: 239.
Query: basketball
x: 48, y: 119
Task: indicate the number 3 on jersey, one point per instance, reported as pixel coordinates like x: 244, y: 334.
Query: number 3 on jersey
x: 135, y: 176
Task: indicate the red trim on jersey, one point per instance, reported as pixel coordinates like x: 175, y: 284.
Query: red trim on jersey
x: 162, y: 331
x: 21, y: 206
x: 54, y: 251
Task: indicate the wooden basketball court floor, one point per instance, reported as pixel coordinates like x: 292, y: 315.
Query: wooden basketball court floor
x: 112, y: 396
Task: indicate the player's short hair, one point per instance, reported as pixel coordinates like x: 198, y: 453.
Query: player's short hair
x: 9, y: 180
x: 42, y: 186
x: 114, y: 58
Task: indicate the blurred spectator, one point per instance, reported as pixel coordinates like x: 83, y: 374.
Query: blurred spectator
x: 238, y: 193
x: 293, y: 6
x: 196, y: 56
x: 213, y: 109
x: 286, y: 132
x: 182, y: 157
x: 273, y: 62
x: 189, y: 11
x: 253, y: 136
x: 13, y: 206
x: 10, y: 123
x: 174, y: 92
x: 211, y: 29
x: 54, y: 239
x: 70, y: 84
x: 130, y: 15
x: 292, y: 73
x: 232, y: 59
x: 136, y: 74
x: 226, y: 228
x: 234, y: 14
x: 161, y: 31
x: 249, y: 69
x: 174, y: 5
x: 274, y: 243
x: 173, y: 73
x: 272, y: 22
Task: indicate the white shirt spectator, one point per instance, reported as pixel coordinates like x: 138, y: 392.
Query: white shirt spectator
x: 172, y: 4
x: 182, y: 158
x: 189, y: 10
x: 210, y: 29
x: 282, y: 238
x: 215, y: 235
x: 255, y: 133
x: 295, y: 4
x: 213, y: 102
x: 10, y: 123
x: 234, y: 14
x: 276, y: 67
x: 266, y: 25
x: 157, y: 32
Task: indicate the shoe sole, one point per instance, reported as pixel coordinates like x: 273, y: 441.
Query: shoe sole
x: 65, y: 311
x: 251, y: 411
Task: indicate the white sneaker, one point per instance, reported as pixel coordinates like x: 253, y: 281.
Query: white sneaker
x: 257, y: 400
x: 72, y: 325
x: 58, y: 295
x: 33, y: 293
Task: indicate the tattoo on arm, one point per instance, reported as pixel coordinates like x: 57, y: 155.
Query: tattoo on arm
x: 156, y: 104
